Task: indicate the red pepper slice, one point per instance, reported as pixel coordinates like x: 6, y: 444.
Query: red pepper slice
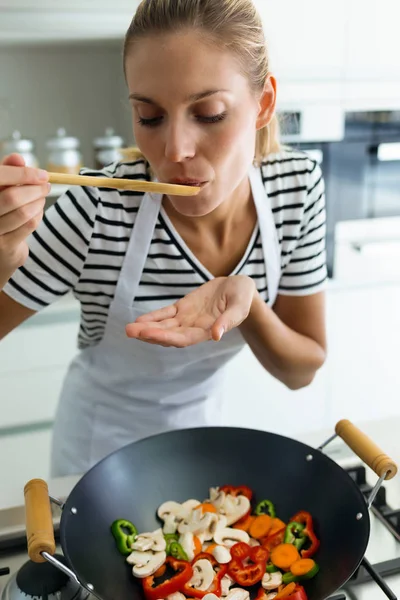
x: 183, y: 573
x: 247, y: 573
x: 298, y: 593
x: 306, y: 518
x: 239, y: 490
x: 215, y: 588
x: 273, y: 540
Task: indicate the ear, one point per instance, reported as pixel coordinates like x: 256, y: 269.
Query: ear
x: 267, y: 102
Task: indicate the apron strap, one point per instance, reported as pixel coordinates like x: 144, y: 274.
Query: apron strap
x: 138, y: 249
x: 269, y: 235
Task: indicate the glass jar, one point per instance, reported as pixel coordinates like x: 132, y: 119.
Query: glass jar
x: 21, y: 146
x: 63, y: 153
x: 107, y: 148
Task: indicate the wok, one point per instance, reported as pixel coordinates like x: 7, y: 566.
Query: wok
x: 132, y: 482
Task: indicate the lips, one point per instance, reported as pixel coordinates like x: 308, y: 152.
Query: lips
x: 184, y: 181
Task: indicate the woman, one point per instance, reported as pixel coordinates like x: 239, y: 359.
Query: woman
x: 171, y: 288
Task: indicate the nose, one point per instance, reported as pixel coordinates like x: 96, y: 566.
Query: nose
x: 180, y: 143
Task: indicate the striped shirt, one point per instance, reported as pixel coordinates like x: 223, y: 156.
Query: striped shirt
x: 81, y: 243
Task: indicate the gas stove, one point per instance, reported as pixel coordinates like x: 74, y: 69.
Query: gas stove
x: 378, y: 576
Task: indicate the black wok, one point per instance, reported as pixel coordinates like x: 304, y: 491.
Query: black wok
x: 132, y: 482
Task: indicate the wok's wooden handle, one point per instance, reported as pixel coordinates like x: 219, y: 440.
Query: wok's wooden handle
x: 366, y: 449
x: 39, y: 521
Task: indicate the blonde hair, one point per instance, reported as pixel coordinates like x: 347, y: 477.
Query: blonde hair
x: 234, y: 23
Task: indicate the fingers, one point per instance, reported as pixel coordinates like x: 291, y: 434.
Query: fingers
x: 168, y: 312
x: 230, y: 319
x: 15, y: 219
x: 17, y: 174
x: 180, y: 337
x: 13, y: 239
x: 13, y: 160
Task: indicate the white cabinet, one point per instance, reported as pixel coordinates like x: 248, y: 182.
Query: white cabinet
x: 306, y: 39
x: 364, y: 350
x: 373, y: 42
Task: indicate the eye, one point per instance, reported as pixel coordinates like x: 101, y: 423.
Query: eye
x: 149, y: 122
x: 212, y: 118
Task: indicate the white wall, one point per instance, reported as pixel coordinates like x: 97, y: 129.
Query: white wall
x: 79, y: 87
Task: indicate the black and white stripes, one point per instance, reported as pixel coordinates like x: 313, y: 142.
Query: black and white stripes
x: 82, y: 241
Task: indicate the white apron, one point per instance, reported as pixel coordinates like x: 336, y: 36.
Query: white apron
x: 123, y: 389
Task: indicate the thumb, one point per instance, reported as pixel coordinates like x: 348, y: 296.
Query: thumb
x: 230, y: 319
x: 13, y: 160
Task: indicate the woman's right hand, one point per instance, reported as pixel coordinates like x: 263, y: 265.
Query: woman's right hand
x: 22, y: 199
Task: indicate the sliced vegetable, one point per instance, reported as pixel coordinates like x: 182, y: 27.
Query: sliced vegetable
x: 240, y: 490
x: 260, y: 527
x: 161, y: 571
x: 124, y: 533
x: 183, y: 572
x: 244, y: 523
x: 273, y: 540
x: 190, y: 589
x: 265, y: 507
x: 169, y: 538
x: 294, y: 591
x: 277, y: 525
x: 305, y: 568
x: 197, y: 545
x: 248, y: 564
x: 284, y: 555
x: 305, y: 518
x: 294, y: 534
x: 289, y: 578
x: 207, y: 507
x: 176, y: 550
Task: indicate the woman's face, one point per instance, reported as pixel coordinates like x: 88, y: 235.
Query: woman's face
x: 194, y: 116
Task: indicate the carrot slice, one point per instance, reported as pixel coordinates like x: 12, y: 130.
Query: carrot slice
x: 284, y: 555
x: 287, y: 591
x: 260, y: 527
x: 302, y: 567
x: 245, y: 523
x: 197, y: 545
x: 207, y: 507
x: 276, y: 525
x: 160, y: 572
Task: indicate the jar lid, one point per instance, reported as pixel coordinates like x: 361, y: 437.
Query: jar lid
x: 108, y: 140
x: 62, y: 142
x: 17, y: 144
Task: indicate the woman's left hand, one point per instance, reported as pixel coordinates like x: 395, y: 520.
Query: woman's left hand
x: 205, y: 314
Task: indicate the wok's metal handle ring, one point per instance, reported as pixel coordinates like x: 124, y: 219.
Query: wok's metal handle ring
x: 39, y: 520
x: 366, y: 449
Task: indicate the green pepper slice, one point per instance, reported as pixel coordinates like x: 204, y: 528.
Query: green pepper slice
x: 124, y: 533
x: 265, y: 507
x: 176, y: 551
x: 270, y: 568
x: 294, y: 534
x: 169, y: 538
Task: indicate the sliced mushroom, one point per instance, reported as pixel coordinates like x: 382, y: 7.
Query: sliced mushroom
x: 170, y: 524
x: 186, y: 540
x: 171, y: 508
x: 238, y: 594
x: 229, y: 537
x: 210, y: 596
x: 196, y: 523
x: 150, y: 541
x: 203, y: 575
x: 217, y: 498
x: 138, y: 557
x: 271, y: 595
x: 236, y: 509
x: 155, y: 560
x: 222, y: 555
x: 271, y: 581
x: 226, y: 584
x: 189, y: 505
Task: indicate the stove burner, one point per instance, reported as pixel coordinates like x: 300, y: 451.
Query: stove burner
x: 40, y: 580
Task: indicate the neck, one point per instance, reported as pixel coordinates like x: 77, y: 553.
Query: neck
x: 221, y: 221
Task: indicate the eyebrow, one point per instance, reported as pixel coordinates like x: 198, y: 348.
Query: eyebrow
x: 192, y: 98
